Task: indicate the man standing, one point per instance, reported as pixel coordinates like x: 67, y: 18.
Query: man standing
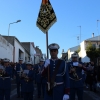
x: 75, y: 75
x: 39, y: 79
x: 57, y: 76
x: 5, y: 80
x: 19, y: 69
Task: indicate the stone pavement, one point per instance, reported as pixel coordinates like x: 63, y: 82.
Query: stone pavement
x: 88, y: 95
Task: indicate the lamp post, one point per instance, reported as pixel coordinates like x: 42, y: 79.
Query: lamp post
x: 97, y: 26
x: 12, y: 23
x: 78, y: 40
x: 80, y: 33
x: 98, y: 29
x: 47, y: 45
x: 8, y: 35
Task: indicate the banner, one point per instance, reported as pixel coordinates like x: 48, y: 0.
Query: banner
x: 46, y: 17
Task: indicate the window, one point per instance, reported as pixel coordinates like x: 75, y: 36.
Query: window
x: 94, y: 45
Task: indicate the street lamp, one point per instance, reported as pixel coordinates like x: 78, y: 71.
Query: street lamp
x: 98, y: 29
x: 80, y: 33
x: 97, y: 26
x: 78, y: 40
x: 12, y: 23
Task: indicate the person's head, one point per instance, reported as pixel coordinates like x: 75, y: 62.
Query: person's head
x: 41, y: 61
x: 92, y: 62
x: 29, y: 65
x: 20, y: 60
x: 6, y: 62
x: 74, y: 57
x: 53, y: 50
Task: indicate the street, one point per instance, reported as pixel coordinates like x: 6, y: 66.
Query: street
x: 88, y: 95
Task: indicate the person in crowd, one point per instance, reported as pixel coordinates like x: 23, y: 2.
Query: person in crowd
x: 98, y: 76
x: 75, y: 74
x: 5, y: 80
x: 40, y: 80
x: 56, y: 72
x: 19, y: 70
x: 27, y: 82
x: 91, y: 73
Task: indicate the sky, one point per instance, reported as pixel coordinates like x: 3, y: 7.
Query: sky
x: 70, y: 14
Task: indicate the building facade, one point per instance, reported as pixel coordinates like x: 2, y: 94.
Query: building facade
x: 18, y: 50
x: 38, y: 55
x: 29, y: 46
x: 95, y: 43
x: 72, y: 50
x: 6, y: 49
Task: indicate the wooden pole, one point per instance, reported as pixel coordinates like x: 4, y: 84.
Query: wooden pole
x: 47, y: 44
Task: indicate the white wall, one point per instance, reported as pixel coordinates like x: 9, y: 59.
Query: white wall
x: 32, y: 53
x: 6, y: 49
x: 83, y: 52
x: 69, y: 54
x: 37, y: 59
x: 17, y: 47
x: 27, y: 57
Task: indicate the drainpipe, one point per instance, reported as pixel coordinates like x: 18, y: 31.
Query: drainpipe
x: 14, y: 54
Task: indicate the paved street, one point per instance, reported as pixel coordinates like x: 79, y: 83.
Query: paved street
x: 88, y: 95
x: 14, y: 95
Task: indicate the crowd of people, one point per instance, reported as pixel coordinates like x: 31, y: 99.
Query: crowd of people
x: 91, y: 76
x: 55, y: 79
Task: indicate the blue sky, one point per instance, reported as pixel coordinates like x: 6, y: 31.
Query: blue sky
x: 70, y: 14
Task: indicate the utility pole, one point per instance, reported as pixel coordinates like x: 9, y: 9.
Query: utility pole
x: 80, y: 33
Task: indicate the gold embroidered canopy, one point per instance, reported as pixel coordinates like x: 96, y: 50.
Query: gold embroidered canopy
x: 46, y: 17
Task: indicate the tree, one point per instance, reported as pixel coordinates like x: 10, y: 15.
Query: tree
x: 92, y: 52
x: 78, y: 50
x: 98, y: 52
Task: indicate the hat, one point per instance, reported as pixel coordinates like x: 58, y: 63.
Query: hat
x: 42, y: 60
x: 74, y: 55
x: 20, y: 59
x: 29, y: 63
x: 6, y: 60
x: 53, y: 46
